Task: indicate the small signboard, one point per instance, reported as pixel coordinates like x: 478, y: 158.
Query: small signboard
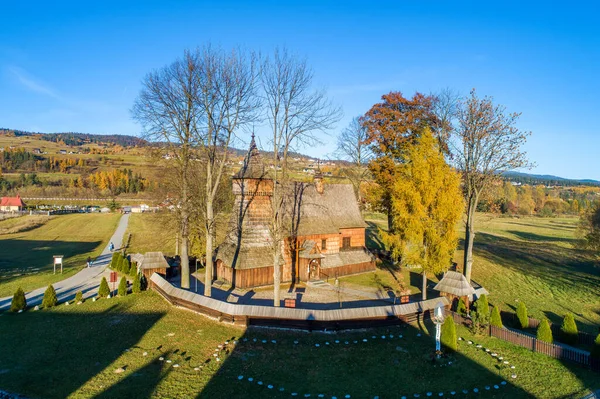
x: 113, y: 277
x: 58, y: 260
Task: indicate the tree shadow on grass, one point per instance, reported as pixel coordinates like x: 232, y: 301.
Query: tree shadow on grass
x: 386, y: 367
x: 65, y: 349
x: 540, y: 238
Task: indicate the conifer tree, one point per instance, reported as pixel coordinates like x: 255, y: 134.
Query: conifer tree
x: 570, y: 334
x: 426, y: 205
x: 114, y: 260
x: 483, y: 310
x: 522, y: 315
x: 495, y: 318
x: 122, y: 286
x: 461, y: 307
x: 544, y: 333
x: 137, y: 286
x: 18, y: 302
x: 104, y: 290
x: 79, y: 297
x: 50, y: 299
x: 133, y: 269
x: 448, y: 338
x: 125, y: 265
x: 143, y: 282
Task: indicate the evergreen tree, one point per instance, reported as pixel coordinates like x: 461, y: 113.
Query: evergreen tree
x: 50, y: 299
x: 461, y: 308
x: 114, y: 260
x: 126, y: 266
x: 522, y: 315
x: 18, y: 302
x: 483, y: 310
x: 569, y: 335
x: 425, y: 206
x: 448, y: 338
x: 143, y: 283
x: 495, y: 318
x: 104, y: 290
x: 123, y: 286
x: 133, y: 269
x: 137, y: 286
x: 544, y: 333
x: 79, y: 297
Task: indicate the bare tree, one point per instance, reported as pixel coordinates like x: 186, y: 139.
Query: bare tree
x: 295, y: 113
x: 444, y: 106
x: 486, y: 143
x: 351, y: 147
x: 228, y: 99
x: 167, y: 111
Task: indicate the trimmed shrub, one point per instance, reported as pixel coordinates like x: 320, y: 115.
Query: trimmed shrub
x: 79, y: 297
x: 50, y: 298
x: 596, y: 348
x: 104, y: 290
x: 544, y: 333
x: 114, y: 260
x: 133, y: 269
x: 18, y: 302
x: 495, y: 318
x: 483, y: 310
x: 461, y: 308
x: 448, y: 338
x: 522, y: 315
x: 122, y: 287
x: 125, y: 266
x: 137, y: 285
x: 569, y: 333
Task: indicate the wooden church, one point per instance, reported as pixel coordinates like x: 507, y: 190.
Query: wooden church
x: 325, y: 231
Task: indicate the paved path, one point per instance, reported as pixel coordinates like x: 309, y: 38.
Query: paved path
x: 87, y: 280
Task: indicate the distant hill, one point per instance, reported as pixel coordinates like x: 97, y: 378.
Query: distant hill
x: 548, y: 180
x: 79, y: 139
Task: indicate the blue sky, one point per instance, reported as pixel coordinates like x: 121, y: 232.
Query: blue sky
x: 77, y: 66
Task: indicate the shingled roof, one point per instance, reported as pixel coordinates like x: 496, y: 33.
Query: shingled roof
x: 329, y: 212
x: 454, y: 283
x: 253, y: 166
x: 151, y: 260
x: 248, y: 257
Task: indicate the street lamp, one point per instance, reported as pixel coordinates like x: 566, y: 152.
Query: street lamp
x: 438, y: 319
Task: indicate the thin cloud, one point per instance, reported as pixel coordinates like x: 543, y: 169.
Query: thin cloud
x: 28, y: 82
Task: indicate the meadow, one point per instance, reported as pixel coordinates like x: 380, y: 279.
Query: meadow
x: 140, y: 346
x: 28, y: 244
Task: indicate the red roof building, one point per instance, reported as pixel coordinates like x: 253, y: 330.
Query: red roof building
x: 11, y: 204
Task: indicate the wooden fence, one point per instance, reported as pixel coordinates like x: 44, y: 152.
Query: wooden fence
x: 308, y: 319
x: 561, y: 352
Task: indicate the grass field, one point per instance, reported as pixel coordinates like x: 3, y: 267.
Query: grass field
x: 152, y: 232
x: 533, y: 260
x: 74, y: 352
x: 27, y: 249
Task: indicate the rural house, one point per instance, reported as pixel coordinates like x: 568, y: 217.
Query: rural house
x: 325, y: 230
x: 11, y: 204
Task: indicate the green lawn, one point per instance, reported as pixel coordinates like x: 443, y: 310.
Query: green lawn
x: 531, y: 259
x: 74, y: 352
x: 152, y: 232
x: 26, y: 256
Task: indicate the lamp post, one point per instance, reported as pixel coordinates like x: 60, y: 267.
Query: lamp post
x: 438, y: 319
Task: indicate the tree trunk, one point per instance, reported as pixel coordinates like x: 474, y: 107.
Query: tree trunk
x: 469, y: 237
x: 208, y: 271
x: 424, y: 289
x: 185, y: 260
x: 276, y: 277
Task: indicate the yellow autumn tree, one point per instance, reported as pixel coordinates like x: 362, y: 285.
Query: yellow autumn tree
x: 426, y: 205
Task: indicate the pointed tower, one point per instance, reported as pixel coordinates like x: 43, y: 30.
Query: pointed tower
x: 247, y: 248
